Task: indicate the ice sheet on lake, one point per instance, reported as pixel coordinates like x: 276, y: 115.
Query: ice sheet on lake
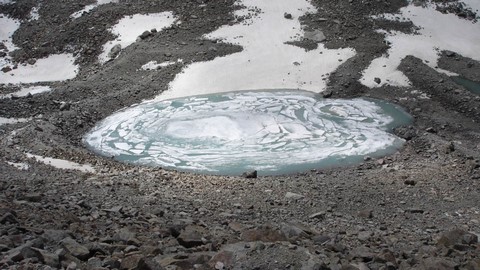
x: 277, y: 132
x: 437, y: 32
x: 129, y: 28
x: 63, y: 164
x: 267, y: 61
x: 55, y: 67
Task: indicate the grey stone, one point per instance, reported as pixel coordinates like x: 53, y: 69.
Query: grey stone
x: 294, y: 196
x: 75, y: 249
x: 145, y: 35
x: 315, y: 35
x: 115, y: 51
x: 250, y: 174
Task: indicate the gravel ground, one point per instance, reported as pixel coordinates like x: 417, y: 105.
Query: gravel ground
x: 416, y: 209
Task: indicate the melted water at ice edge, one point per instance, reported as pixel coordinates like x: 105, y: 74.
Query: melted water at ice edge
x: 274, y: 132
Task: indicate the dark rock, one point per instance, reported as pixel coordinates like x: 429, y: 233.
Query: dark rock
x: 115, y: 51
x: 55, y: 236
x: 410, y: 182
x: 321, y: 239
x: 192, y: 236
x: 75, y: 249
x: 8, y: 218
x: 6, y: 69
x: 266, y: 234
x: 250, y: 174
x: 287, y: 16
x: 437, y: 264
x: 145, y: 35
x: 33, y: 197
x: 148, y: 264
x: 48, y: 258
x: 327, y: 94
x: 377, y: 80
x: 367, y: 213
x: 457, y: 237
x: 65, y: 106
x: 130, y: 262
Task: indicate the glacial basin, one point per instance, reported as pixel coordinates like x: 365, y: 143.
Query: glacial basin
x: 273, y: 132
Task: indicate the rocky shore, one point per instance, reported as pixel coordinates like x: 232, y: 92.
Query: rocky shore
x: 416, y: 209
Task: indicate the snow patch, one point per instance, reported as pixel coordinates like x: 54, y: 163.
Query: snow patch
x: 88, y: 8
x: 5, y: 121
x: 266, y: 61
x: 56, y: 67
x: 129, y: 28
x: 437, y: 32
x: 34, y: 15
x: 25, y: 91
x: 20, y: 166
x: 153, y: 65
x: 9, y: 26
x: 62, y: 164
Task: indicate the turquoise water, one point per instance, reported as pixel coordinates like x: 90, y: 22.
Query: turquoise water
x: 273, y: 132
x: 471, y: 86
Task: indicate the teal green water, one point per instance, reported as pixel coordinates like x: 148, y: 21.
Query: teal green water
x: 471, y: 86
x: 273, y: 132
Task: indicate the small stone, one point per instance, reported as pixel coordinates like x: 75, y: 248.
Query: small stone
x: 294, y: 196
x: 31, y: 61
x: 449, y: 53
x: 250, y: 174
x: 321, y: 239
x: 145, y: 34
x: 6, y: 69
x: 192, y: 236
x: 327, y: 94
x: 367, y: 213
x: 377, y: 80
x: 365, y: 235
x: 409, y: 182
x: 131, y: 262
x: 457, y: 236
x: 287, y: 16
x: 33, y: 197
x: 64, y: 106
x: 115, y: 51
x: 318, y: 215
x: 415, y: 211
x: 74, y: 248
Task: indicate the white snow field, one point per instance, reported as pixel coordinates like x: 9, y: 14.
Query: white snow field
x: 55, y: 67
x: 437, y: 32
x: 266, y: 61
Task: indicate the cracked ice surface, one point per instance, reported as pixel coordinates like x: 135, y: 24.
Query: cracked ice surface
x: 437, y: 32
x: 270, y: 131
x: 266, y: 61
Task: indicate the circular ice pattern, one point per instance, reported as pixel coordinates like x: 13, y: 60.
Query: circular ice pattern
x: 274, y: 132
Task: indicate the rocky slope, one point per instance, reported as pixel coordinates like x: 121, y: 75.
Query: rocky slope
x: 416, y: 209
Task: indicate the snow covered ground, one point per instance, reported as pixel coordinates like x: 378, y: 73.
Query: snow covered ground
x: 129, y: 28
x: 266, y: 61
x: 437, y: 32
